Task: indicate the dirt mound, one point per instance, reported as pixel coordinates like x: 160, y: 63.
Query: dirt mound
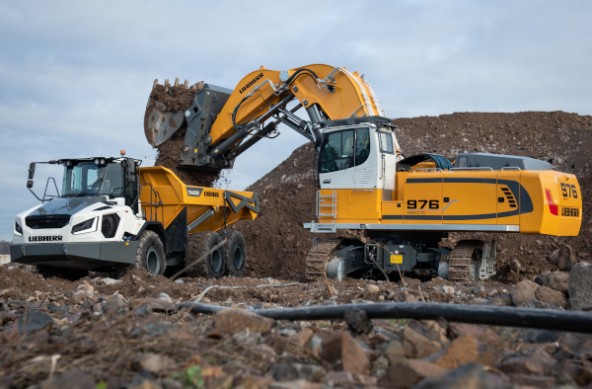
x: 277, y: 242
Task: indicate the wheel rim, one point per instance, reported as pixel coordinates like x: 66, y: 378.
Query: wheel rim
x: 216, y: 261
x: 238, y: 258
x: 152, y: 261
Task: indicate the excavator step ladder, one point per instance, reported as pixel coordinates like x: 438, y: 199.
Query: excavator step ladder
x: 326, y: 205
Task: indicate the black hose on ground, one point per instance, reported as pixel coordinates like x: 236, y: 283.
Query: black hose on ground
x: 550, y: 319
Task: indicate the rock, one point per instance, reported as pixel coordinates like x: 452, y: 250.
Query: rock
x: 115, y: 304
x: 538, y: 362
x: 575, y: 346
x: 331, y: 347
x: 579, y: 372
x: 394, y: 351
x: 292, y: 371
x: 154, y: 305
x: 230, y: 321
x: 449, y: 290
x: 478, y: 290
x: 460, y: 351
x: 353, y: 356
x: 557, y: 280
x: 407, y: 372
x: 342, y: 379
x: 422, y: 340
x: 469, y: 376
x: 371, y: 291
x: 156, y: 363
x: 109, y: 281
x: 550, y: 297
x: 580, y: 287
x: 32, y: 321
x: 523, y: 294
x: 358, y: 322
x: 563, y: 257
x: 85, y: 289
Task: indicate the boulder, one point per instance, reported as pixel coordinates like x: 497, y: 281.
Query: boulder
x: 558, y: 280
x: 550, y: 297
x: 523, y: 294
x: 563, y: 257
x: 580, y: 287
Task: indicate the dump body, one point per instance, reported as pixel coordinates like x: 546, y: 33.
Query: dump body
x: 165, y: 198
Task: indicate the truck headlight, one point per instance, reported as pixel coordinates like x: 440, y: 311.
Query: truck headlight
x: 109, y: 225
x: 18, y: 230
x: 86, y: 226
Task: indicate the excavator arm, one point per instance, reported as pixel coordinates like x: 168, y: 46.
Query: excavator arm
x: 213, y: 125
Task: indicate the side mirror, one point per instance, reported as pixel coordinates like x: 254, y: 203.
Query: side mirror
x: 130, y: 170
x: 31, y: 175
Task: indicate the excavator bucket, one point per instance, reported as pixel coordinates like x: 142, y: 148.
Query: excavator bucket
x: 165, y: 109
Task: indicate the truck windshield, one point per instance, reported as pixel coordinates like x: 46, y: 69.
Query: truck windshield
x: 87, y: 178
x: 344, y: 149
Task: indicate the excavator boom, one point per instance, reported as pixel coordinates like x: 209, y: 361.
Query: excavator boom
x: 217, y: 124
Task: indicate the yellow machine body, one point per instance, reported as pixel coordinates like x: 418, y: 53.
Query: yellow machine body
x: 534, y: 202
x: 164, y: 197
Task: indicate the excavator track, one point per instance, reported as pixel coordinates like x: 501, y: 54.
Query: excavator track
x: 317, y: 259
x: 461, y: 263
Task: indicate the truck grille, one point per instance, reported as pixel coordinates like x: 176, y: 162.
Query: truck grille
x: 40, y: 222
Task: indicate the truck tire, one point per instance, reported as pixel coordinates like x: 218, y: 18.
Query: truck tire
x: 150, y: 254
x: 205, y: 256
x: 236, y: 254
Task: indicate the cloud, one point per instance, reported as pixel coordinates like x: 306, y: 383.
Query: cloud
x: 75, y: 76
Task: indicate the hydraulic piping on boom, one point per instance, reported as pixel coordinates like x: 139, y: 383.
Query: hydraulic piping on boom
x: 220, y: 124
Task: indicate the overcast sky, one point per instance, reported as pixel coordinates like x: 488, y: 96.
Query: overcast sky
x: 75, y: 75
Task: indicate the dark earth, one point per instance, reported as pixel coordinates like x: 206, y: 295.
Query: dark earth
x: 132, y: 333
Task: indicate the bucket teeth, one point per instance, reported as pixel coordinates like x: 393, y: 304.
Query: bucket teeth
x: 167, y: 83
x: 176, y: 81
x: 186, y: 83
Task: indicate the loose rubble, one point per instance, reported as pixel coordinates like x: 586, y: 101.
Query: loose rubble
x: 130, y: 332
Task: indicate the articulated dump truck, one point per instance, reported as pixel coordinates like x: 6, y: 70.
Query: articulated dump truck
x: 110, y: 213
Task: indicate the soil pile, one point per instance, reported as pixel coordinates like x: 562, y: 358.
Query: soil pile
x: 278, y: 244
x: 171, y: 99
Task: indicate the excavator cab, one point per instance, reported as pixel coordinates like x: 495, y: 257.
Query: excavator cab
x: 358, y: 154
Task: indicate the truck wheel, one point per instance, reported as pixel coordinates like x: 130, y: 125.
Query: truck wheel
x: 236, y: 254
x: 150, y: 254
x: 205, y: 256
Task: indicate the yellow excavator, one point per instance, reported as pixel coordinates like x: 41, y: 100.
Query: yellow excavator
x: 391, y: 210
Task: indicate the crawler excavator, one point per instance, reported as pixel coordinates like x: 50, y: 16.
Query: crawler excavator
x: 391, y: 211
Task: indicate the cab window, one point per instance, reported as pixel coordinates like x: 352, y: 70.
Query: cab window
x: 344, y: 149
x: 386, y: 143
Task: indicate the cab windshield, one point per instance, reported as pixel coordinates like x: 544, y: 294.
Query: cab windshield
x: 86, y: 178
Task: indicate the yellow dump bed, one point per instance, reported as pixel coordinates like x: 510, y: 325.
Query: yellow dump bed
x: 164, y: 197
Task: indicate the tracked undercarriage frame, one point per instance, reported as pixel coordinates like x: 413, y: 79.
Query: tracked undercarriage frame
x: 384, y: 256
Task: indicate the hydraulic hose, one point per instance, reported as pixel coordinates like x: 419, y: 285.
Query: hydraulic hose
x: 550, y: 319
